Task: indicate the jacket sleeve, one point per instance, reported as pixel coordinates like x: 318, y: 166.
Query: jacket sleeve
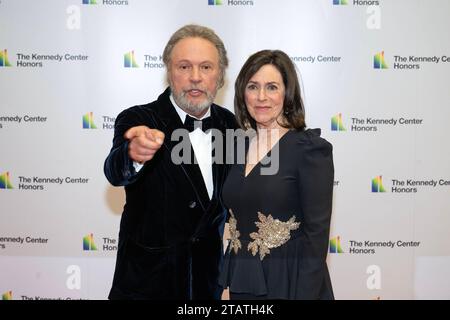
x: 118, y: 166
x: 316, y: 178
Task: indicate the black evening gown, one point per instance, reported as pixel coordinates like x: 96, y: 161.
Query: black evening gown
x: 280, y: 222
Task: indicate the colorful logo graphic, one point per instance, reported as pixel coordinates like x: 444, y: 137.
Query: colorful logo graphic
x: 215, y: 2
x: 89, y: 1
x: 335, y: 245
x: 336, y: 123
x: 5, y: 181
x: 377, y: 185
x: 88, y: 243
x: 129, y: 61
x: 340, y: 2
x: 4, y: 62
x: 378, y: 61
x: 88, y: 121
x: 7, y: 295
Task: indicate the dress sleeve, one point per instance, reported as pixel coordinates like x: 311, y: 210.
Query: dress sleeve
x: 118, y: 166
x: 316, y: 176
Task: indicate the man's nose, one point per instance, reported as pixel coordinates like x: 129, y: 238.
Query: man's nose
x: 195, y: 75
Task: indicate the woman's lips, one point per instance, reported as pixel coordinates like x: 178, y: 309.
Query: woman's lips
x: 262, y: 108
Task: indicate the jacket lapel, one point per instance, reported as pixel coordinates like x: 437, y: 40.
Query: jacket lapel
x: 170, y: 121
x: 219, y: 166
x: 215, y: 211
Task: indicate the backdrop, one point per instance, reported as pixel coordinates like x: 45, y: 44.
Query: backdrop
x: 375, y: 76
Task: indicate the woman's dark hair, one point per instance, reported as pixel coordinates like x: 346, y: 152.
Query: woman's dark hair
x: 293, y: 108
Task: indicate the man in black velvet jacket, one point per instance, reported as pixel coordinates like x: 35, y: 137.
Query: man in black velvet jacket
x: 170, y: 239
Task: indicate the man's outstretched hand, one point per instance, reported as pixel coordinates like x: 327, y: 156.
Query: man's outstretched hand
x: 144, y: 143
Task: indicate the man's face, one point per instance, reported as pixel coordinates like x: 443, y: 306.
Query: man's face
x: 193, y: 74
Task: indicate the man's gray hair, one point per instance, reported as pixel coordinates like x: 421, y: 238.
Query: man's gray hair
x: 197, y: 31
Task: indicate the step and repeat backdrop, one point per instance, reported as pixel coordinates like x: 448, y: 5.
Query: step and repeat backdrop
x: 375, y: 76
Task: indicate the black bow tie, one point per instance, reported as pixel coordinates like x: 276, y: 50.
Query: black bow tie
x: 191, y: 123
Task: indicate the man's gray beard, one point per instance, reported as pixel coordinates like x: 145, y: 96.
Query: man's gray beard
x: 190, y: 107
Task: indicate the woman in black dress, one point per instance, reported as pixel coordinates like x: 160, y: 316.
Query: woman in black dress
x: 280, y: 199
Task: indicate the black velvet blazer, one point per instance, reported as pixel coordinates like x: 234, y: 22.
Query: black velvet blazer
x: 170, y: 239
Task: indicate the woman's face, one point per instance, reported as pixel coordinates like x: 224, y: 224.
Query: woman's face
x: 264, y: 97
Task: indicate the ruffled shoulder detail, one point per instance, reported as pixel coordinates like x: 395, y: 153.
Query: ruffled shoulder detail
x: 308, y: 136
x: 311, y: 139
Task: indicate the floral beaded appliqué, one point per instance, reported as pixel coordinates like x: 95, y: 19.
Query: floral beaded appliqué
x: 272, y: 233
x: 235, y: 244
